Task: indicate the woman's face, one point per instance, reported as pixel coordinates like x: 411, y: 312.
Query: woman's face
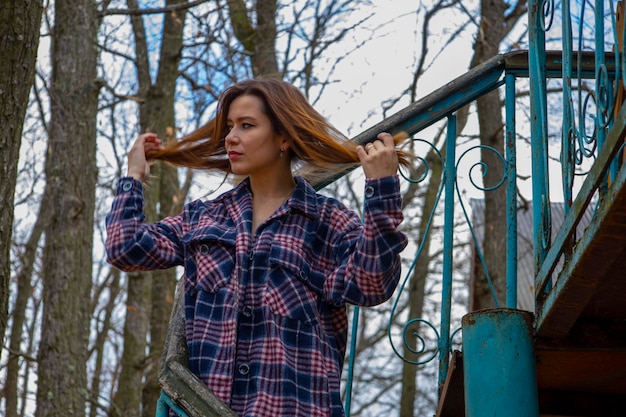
x: 252, y: 145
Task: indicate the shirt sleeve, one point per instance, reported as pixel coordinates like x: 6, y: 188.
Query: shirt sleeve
x: 369, y: 252
x: 132, y: 245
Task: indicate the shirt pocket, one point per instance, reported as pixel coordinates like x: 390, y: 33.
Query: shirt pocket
x: 293, y: 289
x: 210, y: 260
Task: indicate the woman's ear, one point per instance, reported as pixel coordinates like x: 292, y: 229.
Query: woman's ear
x: 285, y: 147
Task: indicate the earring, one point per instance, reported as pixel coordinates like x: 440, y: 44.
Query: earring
x: 282, y: 151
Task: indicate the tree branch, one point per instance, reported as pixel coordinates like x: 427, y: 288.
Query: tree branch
x: 155, y: 10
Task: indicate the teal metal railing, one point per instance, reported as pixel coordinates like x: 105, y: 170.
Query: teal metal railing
x: 586, y: 76
x: 579, y: 141
x: 584, y: 67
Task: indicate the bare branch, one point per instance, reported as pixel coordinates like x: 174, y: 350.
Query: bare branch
x: 154, y: 10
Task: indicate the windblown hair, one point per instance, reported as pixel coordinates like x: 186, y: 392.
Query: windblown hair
x: 313, y: 141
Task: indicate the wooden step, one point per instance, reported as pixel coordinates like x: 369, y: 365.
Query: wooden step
x: 570, y: 383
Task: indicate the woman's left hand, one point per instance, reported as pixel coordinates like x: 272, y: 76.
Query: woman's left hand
x: 379, y: 158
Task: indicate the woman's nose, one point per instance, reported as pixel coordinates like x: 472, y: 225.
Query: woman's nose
x: 230, y: 137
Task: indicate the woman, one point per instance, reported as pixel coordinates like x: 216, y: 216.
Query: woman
x: 269, y: 265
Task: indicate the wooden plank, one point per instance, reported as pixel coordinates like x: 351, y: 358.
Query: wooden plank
x: 557, y: 403
x: 191, y: 394
x: 175, y: 348
x: 589, y: 371
x: 452, y: 400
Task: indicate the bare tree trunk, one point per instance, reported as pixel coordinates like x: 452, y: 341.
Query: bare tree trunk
x: 259, y: 41
x: 19, y: 40
x: 152, y: 293
x: 24, y: 290
x: 71, y: 175
x: 494, y: 26
x: 113, y: 284
x: 127, y: 399
x: 158, y: 114
x: 30, y: 367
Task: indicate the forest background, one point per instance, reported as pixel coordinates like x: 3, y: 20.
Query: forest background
x: 80, y: 79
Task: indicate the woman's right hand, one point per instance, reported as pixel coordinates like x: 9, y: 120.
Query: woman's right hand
x: 138, y: 164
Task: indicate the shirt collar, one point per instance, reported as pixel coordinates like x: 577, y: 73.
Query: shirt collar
x: 303, y: 199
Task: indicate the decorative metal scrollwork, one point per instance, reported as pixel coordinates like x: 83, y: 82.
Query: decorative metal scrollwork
x: 480, y: 164
x: 547, y: 10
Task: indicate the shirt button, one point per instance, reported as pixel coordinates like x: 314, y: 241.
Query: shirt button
x: 251, y: 254
x: 303, y: 276
x: 369, y: 191
x: 244, y: 369
x: 204, y: 249
x: 247, y: 311
x: 127, y: 186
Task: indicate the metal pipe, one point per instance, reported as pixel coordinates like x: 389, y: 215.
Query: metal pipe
x: 499, y: 369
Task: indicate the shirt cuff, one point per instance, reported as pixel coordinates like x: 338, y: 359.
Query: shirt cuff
x: 129, y: 185
x: 385, y: 187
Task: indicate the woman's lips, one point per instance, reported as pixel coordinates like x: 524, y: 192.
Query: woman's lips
x: 233, y: 155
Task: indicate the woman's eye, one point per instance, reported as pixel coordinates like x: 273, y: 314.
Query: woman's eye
x: 246, y: 125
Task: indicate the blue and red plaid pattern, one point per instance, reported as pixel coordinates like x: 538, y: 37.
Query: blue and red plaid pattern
x: 266, y: 320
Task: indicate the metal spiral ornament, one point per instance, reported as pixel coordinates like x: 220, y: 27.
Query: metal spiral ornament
x: 410, y: 330
x: 547, y: 11
x: 480, y: 164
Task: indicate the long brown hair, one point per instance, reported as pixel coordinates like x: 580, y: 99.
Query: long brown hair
x: 313, y: 141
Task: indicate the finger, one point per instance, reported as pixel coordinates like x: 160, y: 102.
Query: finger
x: 150, y: 146
x: 386, y: 139
x: 361, y: 153
x: 150, y: 137
x: 151, y: 142
x: 145, y: 138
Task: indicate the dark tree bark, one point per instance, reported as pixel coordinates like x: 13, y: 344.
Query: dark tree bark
x: 19, y: 40
x: 22, y: 296
x: 151, y: 295
x: 494, y: 26
x: 97, y: 379
x: 127, y: 399
x: 71, y: 175
x: 258, y: 41
x: 158, y: 115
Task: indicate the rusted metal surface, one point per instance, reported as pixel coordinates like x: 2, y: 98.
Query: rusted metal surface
x: 499, y: 364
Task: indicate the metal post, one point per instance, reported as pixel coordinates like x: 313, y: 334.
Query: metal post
x: 165, y: 404
x: 448, y: 244
x: 539, y: 131
x: 604, y: 91
x: 568, y: 129
x: 162, y: 410
x: 511, y: 195
x: 353, y: 339
x: 500, y: 377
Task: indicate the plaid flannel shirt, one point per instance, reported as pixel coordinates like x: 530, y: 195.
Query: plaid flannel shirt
x: 266, y: 321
